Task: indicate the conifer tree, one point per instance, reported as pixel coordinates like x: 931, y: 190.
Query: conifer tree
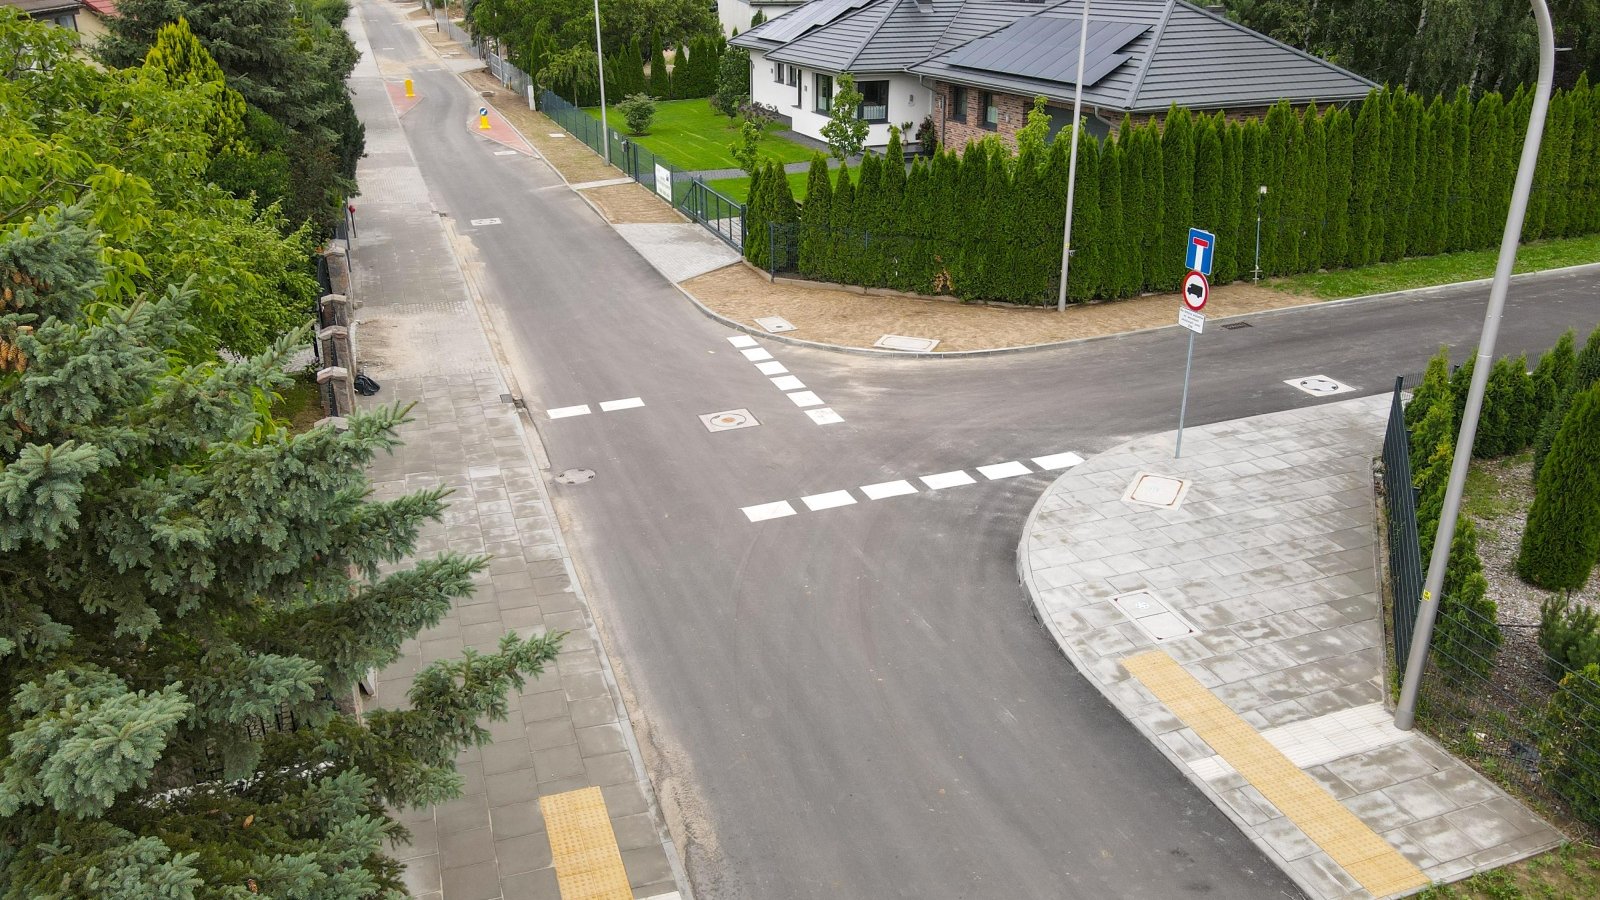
x: 756, y: 239
x: 941, y: 224
x: 1159, y: 261
x: 1250, y: 198
x: 912, y: 272
x: 843, y: 244
x: 180, y: 571
x: 781, y: 214
x: 867, y: 224
x: 1562, y: 540
x: 1336, y: 236
x: 894, y: 178
x: 1177, y: 163
x: 1435, y: 436
x: 1462, y: 190
x: 967, y: 225
x: 1484, y: 171
x: 1282, y: 209
x: 1581, y: 196
x: 1402, y: 182
x: 1386, y: 218
x: 1435, y: 383
x: 1467, y: 636
x: 1002, y: 259
x: 660, y: 79
x: 1585, y: 371
x: 178, y: 53
x: 1088, y: 268
x: 1113, y: 243
x: 1500, y: 429
x: 680, y: 63
x: 1364, y: 237
x: 814, y: 219
x: 1313, y: 189
x: 1208, y: 181
x: 1226, y: 267
x: 1134, y: 225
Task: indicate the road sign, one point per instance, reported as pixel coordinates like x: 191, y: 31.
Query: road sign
x: 1191, y: 320
x: 1196, y: 291
x: 484, y: 111
x: 1202, y: 246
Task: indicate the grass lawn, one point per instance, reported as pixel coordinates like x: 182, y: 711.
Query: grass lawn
x: 1571, y: 872
x: 688, y: 134
x: 738, y: 189
x: 1430, y: 270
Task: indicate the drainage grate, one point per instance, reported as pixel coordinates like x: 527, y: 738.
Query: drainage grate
x: 1235, y: 326
x: 575, y: 476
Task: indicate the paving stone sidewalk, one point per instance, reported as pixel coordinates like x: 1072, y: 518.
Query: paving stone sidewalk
x: 419, y: 336
x: 1262, y: 584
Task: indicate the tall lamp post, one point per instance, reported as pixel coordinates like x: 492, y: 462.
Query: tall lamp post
x: 1072, y: 163
x: 600, y: 60
x: 1405, y: 713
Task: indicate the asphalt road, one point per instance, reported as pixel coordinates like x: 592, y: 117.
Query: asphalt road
x: 857, y: 702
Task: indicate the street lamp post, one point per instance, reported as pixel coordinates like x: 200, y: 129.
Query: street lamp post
x: 1072, y: 164
x: 1406, y: 711
x: 600, y: 61
x: 1257, y: 270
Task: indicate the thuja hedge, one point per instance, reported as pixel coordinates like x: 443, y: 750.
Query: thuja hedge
x: 1392, y: 176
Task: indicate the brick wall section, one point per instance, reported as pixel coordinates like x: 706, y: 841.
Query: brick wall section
x: 1013, y: 115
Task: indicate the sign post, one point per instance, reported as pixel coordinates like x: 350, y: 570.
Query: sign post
x: 1196, y: 291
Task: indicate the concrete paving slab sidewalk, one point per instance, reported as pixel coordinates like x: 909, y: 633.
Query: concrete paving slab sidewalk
x: 421, y: 338
x: 1240, y: 632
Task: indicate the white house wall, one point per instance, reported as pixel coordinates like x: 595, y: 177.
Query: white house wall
x: 909, y: 100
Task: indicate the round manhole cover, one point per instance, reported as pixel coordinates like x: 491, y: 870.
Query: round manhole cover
x: 575, y: 476
x: 728, y: 420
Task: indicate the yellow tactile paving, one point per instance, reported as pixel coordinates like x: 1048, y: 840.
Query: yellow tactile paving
x: 1347, y: 840
x: 583, y: 846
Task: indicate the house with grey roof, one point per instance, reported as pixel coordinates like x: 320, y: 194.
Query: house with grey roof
x: 974, y: 66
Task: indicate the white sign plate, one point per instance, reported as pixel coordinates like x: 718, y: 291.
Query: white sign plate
x: 663, y: 183
x: 1195, y: 322
x: 1196, y: 291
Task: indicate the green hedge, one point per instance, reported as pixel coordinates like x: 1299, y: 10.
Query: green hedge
x: 1388, y: 178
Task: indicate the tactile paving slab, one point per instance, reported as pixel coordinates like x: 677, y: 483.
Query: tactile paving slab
x: 583, y: 847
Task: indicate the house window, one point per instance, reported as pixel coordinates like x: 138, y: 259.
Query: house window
x: 824, y: 99
x: 874, y: 101
x: 777, y: 73
x: 991, y: 112
x: 958, y: 103
x: 794, y: 78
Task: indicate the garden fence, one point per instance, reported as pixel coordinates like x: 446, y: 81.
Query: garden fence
x: 1400, y: 502
x: 688, y: 194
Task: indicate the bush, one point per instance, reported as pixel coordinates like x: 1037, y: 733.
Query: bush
x: 1569, y: 745
x: 1467, y: 636
x: 1435, y: 381
x: 639, y: 110
x: 1500, y: 427
x: 1562, y: 539
x: 927, y: 136
x: 1569, y: 635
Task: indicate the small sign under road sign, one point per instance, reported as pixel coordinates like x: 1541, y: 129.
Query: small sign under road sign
x: 1192, y: 320
x: 483, y: 110
x: 1196, y: 291
x: 1202, y: 246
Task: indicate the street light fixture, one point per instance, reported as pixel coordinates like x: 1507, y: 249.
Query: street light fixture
x: 1406, y: 711
x: 1072, y: 164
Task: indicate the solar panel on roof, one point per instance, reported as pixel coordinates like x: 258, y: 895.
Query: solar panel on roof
x: 1047, y: 49
x: 818, y: 12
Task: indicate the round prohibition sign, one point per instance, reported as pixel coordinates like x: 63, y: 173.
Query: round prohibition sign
x: 1196, y: 291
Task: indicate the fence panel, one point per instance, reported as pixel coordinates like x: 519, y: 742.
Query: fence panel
x: 1400, y: 501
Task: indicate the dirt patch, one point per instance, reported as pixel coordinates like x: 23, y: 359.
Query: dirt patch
x: 838, y: 316
x: 632, y: 203
x: 570, y: 156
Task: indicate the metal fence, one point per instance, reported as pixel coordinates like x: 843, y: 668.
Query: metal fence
x: 1400, y: 502
x: 721, y: 215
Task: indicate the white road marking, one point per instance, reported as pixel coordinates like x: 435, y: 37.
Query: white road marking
x: 743, y: 340
x: 804, y: 399
x: 947, y: 480
x: 829, y: 500
x: 772, y: 368
x: 505, y: 153
x: 565, y: 411
x: 788, y: 383
x: 630, y: 403
x: 887, y: 489
x: 824, y: 416
x: 764, y: 511
x: 1057, y: 461
x: 756, y: 355
x: 1004, y: 470
x: 481, y: 222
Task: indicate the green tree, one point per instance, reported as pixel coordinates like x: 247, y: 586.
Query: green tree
x: 1313, y: 189
x: 1229, y: 240
x: 1368, y: 128
x: 757, y: 246
x: 1500, y: 425
x: 660, y: 78
x: 639, y: 110
x: 1435, y: 383
x: 1086, y: 279
x: 1177, y: 186
x: 1159, y: 258
x: 1562, y: 540
x: 781, y: 213
x: 1462, y: 190
x: 843, y: 244
x: 179, y: 570
x: 1402, y: 184
x: 680, y: 65
x: 1467, y: 636
x: 1569, y: 752
x: 1208, y: 179
x: 733, y: 81
x: 746, y: 148
x: 1032, y: 137
x: 1113, y: 230
x: 1569, y: 635
x: 1484, y: 170
x: 845, y: 131
x: 1435, y: 437
x: 814, y: 219
x: 1341, y: 158
x: 1250, y: 184
x: 1584, y: 371
x: 867, y: 224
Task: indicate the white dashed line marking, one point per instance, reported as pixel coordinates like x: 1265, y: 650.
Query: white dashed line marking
x: 1057, y: 461
x: 756, y: 354
x: 742, y: 340
x: 1004, y: 470
x: 804, y: 399
x: 788, y: 383
x: 764, y: 511
x: 829, y: 500
x: 887, y: 489
x: 824, y: 416
x: 947, y: 480
x: 771, y: 368
x: 630, y: 403
x: 565, y: 411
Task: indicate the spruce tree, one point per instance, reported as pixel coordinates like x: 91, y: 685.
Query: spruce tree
x: 814, y: 219
x: 182, y: 574
x: 1336, y: 236
x: 1562, y: 541
x: 1177, y: 162
x: 1364, y: 237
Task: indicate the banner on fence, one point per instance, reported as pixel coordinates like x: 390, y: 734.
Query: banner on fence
x: 663, y: 182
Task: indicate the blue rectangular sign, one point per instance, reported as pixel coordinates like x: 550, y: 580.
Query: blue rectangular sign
x: 1202, y: 247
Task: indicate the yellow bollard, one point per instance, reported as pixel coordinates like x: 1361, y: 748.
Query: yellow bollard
x: 483, y: 123
x: 411, y: 90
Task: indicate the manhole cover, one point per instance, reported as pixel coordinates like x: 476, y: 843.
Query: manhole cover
x: 729, y: 420
x: 1152, y: 616
x: 1319, y: 385
x: 901, y: 342
x: 774, y: 324
x: 1157, y: 490
x: 575, y: 476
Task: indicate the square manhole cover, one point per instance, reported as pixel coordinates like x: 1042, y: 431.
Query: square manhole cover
x: 1157, y: 490
x: 729, y: 420
x: 774, y: 324
x: 901, y: 342
x: 1153, y: 617
x: 1319, y: 385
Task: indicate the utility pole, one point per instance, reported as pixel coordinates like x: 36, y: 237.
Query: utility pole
x: 1257, y: 270
x: 600, y: 60
x: 1406, y: 711
x: 1072, y: 164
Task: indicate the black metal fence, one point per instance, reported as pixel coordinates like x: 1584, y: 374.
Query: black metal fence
x: 721, y: 215
x: 1400, y: 501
